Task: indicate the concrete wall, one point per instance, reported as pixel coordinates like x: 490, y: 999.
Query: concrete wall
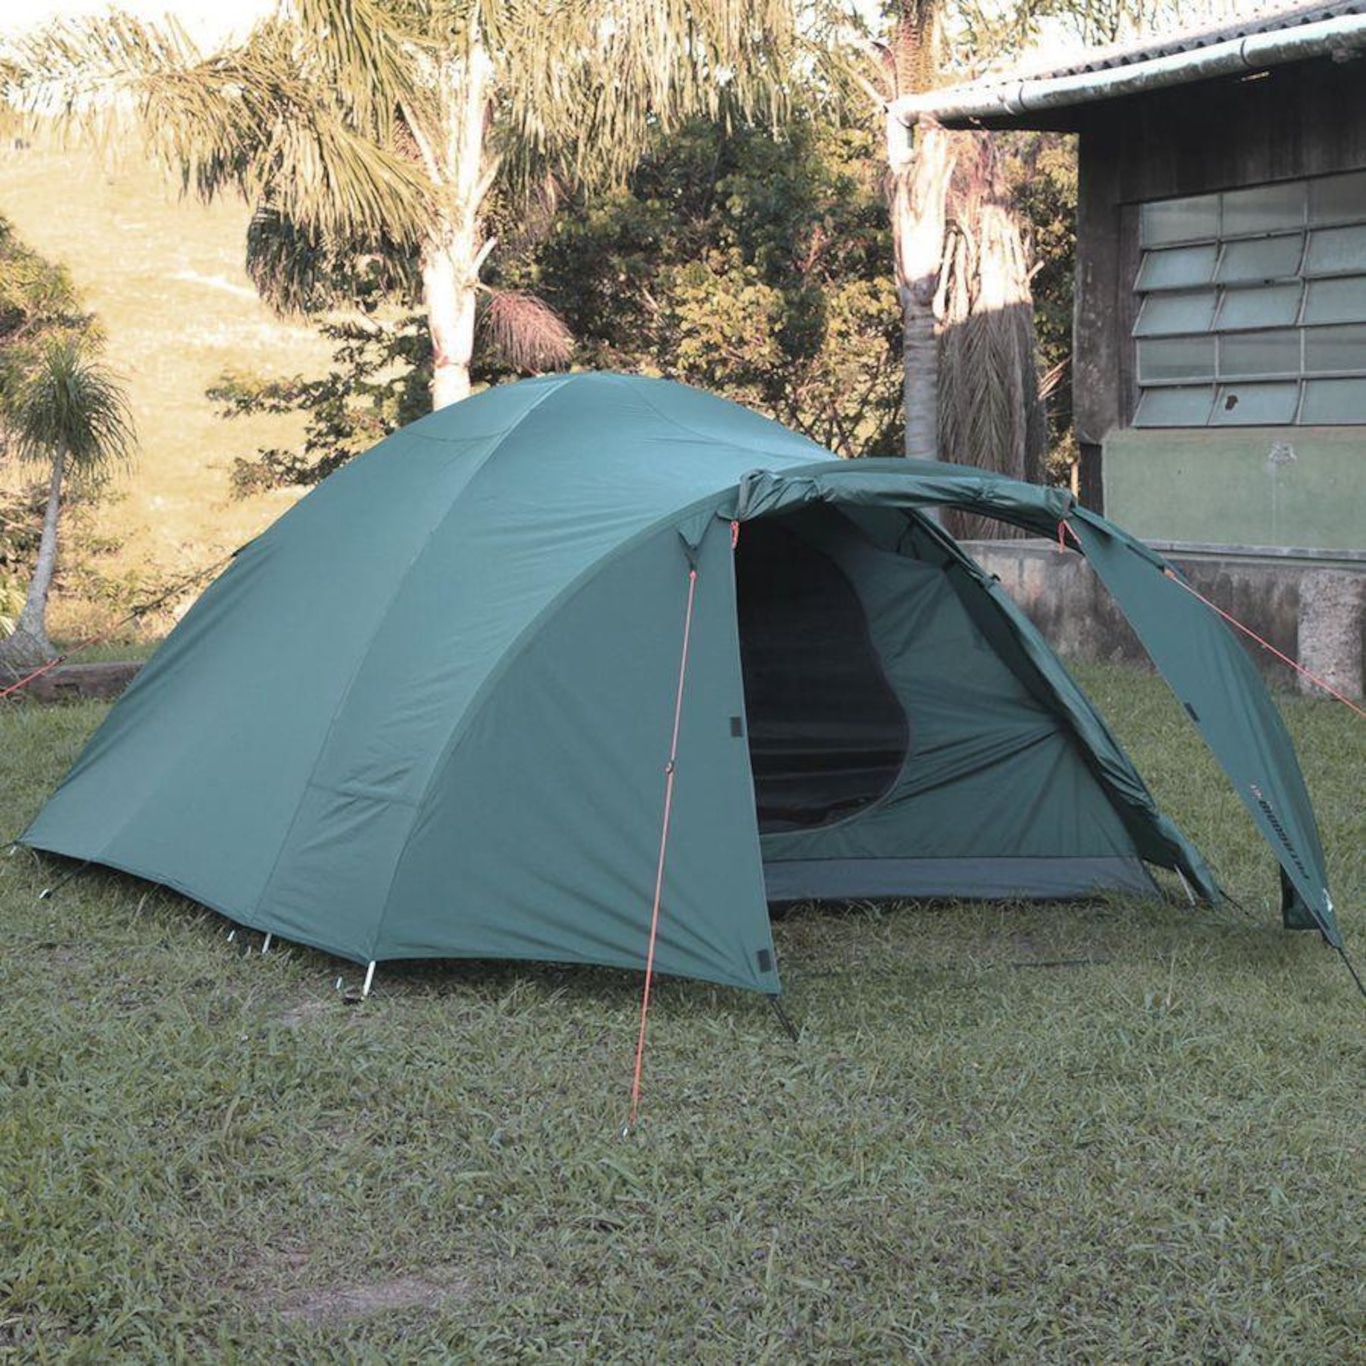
x: 1314, y: 612
x: 1254, y: 486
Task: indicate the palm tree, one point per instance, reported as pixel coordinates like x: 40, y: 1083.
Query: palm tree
x: 69, y: 413
x: 919, y: 168
x: 369, y: 135
x: 970, y: 387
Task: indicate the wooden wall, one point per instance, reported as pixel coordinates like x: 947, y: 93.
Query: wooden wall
x: 1296, y: 121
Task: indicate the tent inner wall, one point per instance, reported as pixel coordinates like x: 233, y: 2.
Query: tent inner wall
x: 894, y: 751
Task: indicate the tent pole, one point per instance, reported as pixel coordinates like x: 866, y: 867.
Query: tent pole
x: 1351, y: 967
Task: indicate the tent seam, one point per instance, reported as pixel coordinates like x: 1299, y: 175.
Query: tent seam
x: 711, y: 440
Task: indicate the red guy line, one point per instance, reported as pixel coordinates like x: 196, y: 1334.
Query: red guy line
x: 669, y: 771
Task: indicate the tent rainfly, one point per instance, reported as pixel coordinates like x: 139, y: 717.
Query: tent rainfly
x: 429, y: 712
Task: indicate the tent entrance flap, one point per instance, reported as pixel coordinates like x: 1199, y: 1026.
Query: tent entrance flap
x: 827, y: 735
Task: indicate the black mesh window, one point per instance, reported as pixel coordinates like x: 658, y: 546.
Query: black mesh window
x: 827, y: 735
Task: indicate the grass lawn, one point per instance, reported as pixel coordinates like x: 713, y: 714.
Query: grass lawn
x: 1112, y: 1131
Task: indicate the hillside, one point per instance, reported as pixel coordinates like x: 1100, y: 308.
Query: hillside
x: 165, y: 276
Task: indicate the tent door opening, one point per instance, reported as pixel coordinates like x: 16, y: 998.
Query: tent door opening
x: 827, y: 735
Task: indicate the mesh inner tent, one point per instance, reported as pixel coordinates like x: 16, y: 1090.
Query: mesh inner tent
x: 827, y: 735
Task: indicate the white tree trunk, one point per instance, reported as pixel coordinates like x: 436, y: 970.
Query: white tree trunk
x: 919, y: 169
x: 30, y: 634
x: 453, y: 254
x: 449, y: 286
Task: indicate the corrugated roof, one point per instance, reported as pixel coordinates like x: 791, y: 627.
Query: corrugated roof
x: 1269, y: 20
x: 1041, y: 95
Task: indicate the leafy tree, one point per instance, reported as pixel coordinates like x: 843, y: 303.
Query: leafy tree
x: 1099, y: 22
x: 379, y: 382
x: 381, y: 375
x: 370, y: 134
x: 751, y: 264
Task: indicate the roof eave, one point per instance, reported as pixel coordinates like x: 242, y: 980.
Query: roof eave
x: 1024, y: 103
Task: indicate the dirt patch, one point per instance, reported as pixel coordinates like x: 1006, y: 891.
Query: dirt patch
x: 329, y: 1304
x: 302, y: 1014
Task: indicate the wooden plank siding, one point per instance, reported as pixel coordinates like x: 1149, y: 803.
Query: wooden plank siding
x: 1294, y: 122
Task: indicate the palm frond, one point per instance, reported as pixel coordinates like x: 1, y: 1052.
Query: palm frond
x: 362, y: 53
x: 270, y: 118
x: 72, y: 403
x: 526, y: 331
x: 91, y: 71
x: 585, y: 84
x: 299, y: 270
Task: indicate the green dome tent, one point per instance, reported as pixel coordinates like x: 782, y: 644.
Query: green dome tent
x: 429, y: 712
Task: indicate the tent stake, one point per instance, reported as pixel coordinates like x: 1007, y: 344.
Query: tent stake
x: 783, y: 1018
x: 49, y: 892
x: 1186, y: 887
x: 369, y: 977
x: 265, y: 944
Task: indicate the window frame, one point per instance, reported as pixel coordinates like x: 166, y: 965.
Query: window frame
x: 1192, y: 268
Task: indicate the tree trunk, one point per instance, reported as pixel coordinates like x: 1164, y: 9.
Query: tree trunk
x: 919, y: 169
x: 453, y: 254
x: 449, y: 282
x: 990, y: 413
x: 30, y: 643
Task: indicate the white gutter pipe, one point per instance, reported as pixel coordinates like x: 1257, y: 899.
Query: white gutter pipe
x: 982, y: 102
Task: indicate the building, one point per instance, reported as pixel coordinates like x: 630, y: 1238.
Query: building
x: 1219, y: 360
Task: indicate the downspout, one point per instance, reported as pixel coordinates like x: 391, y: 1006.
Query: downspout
x: 968, y: 105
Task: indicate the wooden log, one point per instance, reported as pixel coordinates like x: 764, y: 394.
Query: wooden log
x: 73, y: 682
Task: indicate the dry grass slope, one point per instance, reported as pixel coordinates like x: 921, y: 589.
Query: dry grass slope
x: 166, y: 278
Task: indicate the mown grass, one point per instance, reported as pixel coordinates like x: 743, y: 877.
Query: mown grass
x: 1120, y: 1131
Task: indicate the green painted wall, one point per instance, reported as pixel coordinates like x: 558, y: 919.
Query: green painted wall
x: 1274, y: 486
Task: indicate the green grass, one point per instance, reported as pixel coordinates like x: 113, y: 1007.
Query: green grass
x: 1151, y: 1153
x: 106, y: 651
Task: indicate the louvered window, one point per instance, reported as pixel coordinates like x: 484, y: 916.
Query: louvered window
x: 1253, y: 306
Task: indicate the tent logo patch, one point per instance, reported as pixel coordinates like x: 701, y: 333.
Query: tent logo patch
x: 1274, y: 822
